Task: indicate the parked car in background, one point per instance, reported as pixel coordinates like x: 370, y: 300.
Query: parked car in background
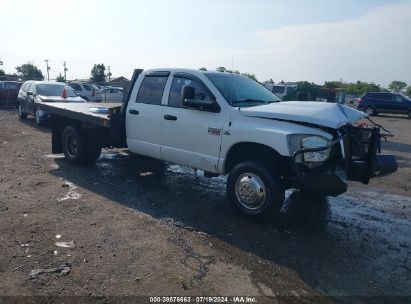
x: 32, y: 92
x: 8, y: 93
x: 112, y: 94
x: 281, y: 89
x: 87, y: 91
x: 385, y: 102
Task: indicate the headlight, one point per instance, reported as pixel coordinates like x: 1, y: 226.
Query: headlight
x: 315, y: 142
x: 305, y: 141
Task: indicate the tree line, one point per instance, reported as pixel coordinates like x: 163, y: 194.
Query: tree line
x: 29, y: 71
x: 98, y: 74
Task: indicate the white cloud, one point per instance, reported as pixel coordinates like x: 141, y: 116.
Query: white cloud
x: 374, y: 47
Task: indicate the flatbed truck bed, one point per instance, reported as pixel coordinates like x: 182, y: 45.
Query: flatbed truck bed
x: 80, y: 130
x: 82, y: 112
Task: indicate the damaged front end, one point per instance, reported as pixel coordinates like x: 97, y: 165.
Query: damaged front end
x: 353, y: 155
x: 365, y: 160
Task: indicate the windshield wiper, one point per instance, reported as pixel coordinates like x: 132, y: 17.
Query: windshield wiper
x: 251, y: 102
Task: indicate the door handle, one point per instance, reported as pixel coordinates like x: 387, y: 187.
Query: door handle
x: 133, y: 112
x: 170, y: 117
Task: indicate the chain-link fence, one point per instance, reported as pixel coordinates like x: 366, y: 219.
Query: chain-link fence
x: 10, y: 85
x: 9, y: 89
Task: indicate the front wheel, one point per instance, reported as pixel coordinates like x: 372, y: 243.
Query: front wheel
x: 255, y: 191
x: 37, y: 117
x: 20, y: 112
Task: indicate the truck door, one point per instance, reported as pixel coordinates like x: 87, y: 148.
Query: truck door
x: 190, y: 136
x: 144, y: 116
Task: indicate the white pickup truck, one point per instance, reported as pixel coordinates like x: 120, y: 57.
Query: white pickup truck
x: 225, y: 123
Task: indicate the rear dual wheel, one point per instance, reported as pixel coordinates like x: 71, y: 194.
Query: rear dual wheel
x: 80, y: 147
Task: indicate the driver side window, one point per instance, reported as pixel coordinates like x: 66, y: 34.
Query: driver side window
x: 175, y: 99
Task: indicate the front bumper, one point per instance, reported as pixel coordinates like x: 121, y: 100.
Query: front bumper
x: 353, y: 157
x: 329, y: 178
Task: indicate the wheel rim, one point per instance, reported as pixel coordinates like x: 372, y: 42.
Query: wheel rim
x: 369, y: 111
x: 20, y: 111
x: 250, y: 191
x: 37, y: 117
x: 71, y: 146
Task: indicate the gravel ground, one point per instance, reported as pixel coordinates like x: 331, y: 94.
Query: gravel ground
x: 142, y: 229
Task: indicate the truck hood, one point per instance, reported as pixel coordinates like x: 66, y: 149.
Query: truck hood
x: 330, y: 115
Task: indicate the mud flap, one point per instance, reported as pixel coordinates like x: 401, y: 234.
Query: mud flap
x: 384, y: 165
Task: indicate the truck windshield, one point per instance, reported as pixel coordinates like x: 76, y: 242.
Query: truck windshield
x: 241, y: 91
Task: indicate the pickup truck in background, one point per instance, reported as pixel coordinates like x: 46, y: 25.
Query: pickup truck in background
x: 227, y: 124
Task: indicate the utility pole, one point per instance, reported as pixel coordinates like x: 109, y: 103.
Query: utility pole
x: 109, y: 74
x: 65, y: 71
x: 48, y: 69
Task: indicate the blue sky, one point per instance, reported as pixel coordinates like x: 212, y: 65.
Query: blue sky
x: 284, y: 40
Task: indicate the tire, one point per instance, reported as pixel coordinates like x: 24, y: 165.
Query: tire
x: 370, y: 111
x: 79, y: 148
x: 20, y: 112
x: 264, y: 188
x: 37, y: 117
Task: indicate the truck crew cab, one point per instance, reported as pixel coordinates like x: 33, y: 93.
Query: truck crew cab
x: 225, y: 123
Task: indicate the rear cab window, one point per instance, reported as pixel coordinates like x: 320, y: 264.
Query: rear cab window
x: 152, y: 89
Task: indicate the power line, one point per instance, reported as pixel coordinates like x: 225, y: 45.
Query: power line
x: 109, y: 73
x: 65, y: 71
x: 48, y: 69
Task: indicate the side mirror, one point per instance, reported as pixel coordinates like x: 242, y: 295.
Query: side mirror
x: 188, y: 97
x: 30, y: 93
x: 187, y: 92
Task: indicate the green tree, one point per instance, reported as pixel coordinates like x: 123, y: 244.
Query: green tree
x: 221, y: 69
x: 360, y: 87
x: 60, y: 78
x: 98, y: 73
x: 408, y: 92
x: 333, y: 84
x: 252, y: 76
x: 29, y: 71
x: 2, y: 73
x: 307, y: 84
x: 397, y: 86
